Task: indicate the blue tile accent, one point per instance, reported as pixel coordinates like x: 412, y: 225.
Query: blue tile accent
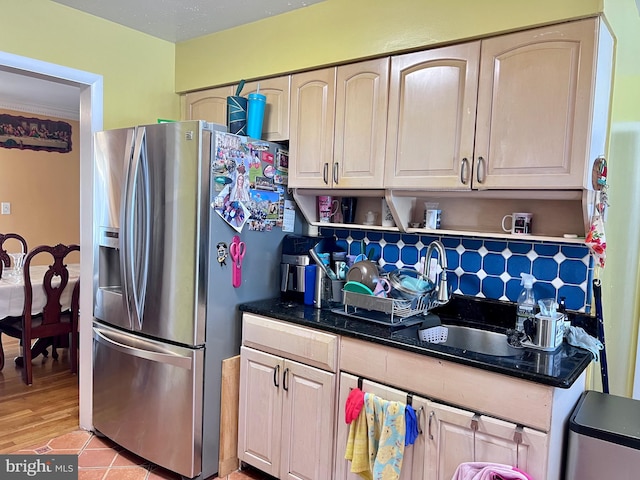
x: 471, y: 244
x: 572, y: 251
x: 471, y: 261
x: 377, y: 236
x: 492, y: 287
x: 409, y: 255
x: 519, y: 247
x: 391, y: 253
x: 494, y: 264
x: 569, y: 274
x: 391, y: 237
x: 469, y: 284
x: 546, y: 249
x: 544, y: 290
x: 494, y: 245
x: 573, y: 271
x: 517, y: 264
x: 574, y: 296
x: 545, y: 268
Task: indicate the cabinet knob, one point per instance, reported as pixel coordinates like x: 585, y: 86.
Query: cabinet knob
x: 325, y: 173
x: 335, y: 173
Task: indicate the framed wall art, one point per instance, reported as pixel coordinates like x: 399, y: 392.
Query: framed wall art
x: 34, y: 134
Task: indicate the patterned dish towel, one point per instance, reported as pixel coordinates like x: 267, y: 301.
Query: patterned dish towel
x: 385, y: 437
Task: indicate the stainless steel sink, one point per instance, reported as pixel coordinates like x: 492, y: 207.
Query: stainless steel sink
x: 479, y: 341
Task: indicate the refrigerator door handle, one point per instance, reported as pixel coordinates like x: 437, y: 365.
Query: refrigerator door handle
x: 144, y: 230
x: 135, y: 231
x: 127, y: 200
x: 148, y: 353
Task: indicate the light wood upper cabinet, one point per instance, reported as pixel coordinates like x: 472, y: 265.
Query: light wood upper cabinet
x: 432, y: 107
x: 541, y: 98
x: 311, y: 128
x: 275, y: 126
x: 361, y: 123
x: 541, y: 121
x: 338, y: 124
x: 209, y: 105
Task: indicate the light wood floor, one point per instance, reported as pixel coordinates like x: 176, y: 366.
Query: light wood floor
x: 46, y: 409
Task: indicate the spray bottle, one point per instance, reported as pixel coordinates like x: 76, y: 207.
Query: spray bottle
x: 526, y: 301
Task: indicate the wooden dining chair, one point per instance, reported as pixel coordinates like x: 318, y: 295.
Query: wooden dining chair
x: 5, y: 260
x: 52, y: 321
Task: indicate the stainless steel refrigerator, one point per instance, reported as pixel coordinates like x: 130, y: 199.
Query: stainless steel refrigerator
x: 165, y: 313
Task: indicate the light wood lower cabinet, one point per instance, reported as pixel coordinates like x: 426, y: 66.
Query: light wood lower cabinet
x: 291, y: 427
x: 455, y: 436
x: 285, y: 416
x: 413, y: 462
x: 449, y: 436
x: 287, y: 408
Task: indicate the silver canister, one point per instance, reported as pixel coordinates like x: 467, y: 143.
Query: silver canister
x: 549, y: 331
x: 328, y: 293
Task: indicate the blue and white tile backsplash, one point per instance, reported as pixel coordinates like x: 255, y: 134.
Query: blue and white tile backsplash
x: 485, y: 267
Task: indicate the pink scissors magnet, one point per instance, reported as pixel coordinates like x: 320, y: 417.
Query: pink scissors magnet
x: 237, y: 250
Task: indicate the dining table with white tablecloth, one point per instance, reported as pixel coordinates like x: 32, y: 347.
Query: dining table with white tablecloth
x: 12, y: 298
x: 12, y: 290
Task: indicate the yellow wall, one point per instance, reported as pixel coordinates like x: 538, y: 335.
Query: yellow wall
x: 138, y: 69
x: 337, y: 31
x: 620, y: 277
x: 43, y: 189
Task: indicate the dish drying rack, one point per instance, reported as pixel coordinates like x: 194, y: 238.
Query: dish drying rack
x: 388, y: 311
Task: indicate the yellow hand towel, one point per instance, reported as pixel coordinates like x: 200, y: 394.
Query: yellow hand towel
x: 386, y: 432
x: 358, y: 447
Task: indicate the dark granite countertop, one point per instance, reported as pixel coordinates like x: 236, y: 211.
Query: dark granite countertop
x: 560, y: 368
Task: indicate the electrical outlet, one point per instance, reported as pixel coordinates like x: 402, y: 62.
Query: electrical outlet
x: 6, y: 208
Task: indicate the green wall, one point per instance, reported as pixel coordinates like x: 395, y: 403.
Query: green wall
x: 138, y: 70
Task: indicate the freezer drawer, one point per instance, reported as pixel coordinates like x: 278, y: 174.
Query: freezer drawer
x: 604, y: 438
x: 147, y: 397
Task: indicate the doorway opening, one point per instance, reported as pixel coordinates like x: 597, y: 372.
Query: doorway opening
x: 91, y: 110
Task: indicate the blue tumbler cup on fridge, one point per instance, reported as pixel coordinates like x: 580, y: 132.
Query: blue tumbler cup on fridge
x: 255, y: 114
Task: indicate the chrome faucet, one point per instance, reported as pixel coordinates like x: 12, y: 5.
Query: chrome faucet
x: 443, y: 288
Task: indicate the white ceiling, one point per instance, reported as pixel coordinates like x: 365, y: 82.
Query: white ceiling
x: 171, y: 20
x: 179, y: 20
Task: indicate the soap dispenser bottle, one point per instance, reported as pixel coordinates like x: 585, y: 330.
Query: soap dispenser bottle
x: 526, y: 302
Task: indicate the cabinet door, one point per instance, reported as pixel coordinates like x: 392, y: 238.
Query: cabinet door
x: 361, y: 123
x: 432, y: 108
x: 260, y: 412
x: 413, y: 462
x: 534, y: 99
x: 311, y: 128
x: 456, y: 436
x: 209, y: 105
x: 307, y: 422
x: 504, y: 442
x: 275, y: 126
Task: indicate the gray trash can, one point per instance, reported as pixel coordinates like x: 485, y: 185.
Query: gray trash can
x: 604, y: 438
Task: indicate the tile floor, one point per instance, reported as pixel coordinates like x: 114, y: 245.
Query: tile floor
x: 101, y: 459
